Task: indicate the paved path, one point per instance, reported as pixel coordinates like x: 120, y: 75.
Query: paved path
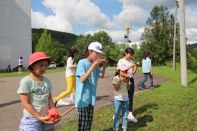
x: 11, y: 109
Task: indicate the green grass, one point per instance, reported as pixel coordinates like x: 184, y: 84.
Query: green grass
x: 13, y: 74
x: 169, y: 107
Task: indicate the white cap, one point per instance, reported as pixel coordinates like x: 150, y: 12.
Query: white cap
x: 95, y: 46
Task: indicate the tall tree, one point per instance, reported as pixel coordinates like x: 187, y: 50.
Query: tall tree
x: 158, y: 35
x: 51, y: 47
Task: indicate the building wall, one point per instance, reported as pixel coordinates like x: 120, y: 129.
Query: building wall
x: 15, y: 32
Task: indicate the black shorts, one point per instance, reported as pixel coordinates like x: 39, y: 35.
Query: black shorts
x: 20, y: 65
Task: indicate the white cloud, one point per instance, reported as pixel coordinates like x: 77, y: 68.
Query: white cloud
x: 71, y: 13
x: 67, y: 14
x: 39, y: 20
x: 131, y: 14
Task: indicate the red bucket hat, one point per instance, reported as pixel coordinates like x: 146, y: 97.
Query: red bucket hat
x: 37, y: 56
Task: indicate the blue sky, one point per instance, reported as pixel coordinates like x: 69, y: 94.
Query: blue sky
x: 89, y: 16
x: 37, y: 5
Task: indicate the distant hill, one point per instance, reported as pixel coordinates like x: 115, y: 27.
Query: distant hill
x: 193, y: 45
x: 62, y: 37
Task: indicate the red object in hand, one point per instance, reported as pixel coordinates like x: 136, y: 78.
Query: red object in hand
x: 53, y: 114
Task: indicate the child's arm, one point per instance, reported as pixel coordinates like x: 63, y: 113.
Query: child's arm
x: 25, y: 99
x: 134, y: 70
x: 103, y: 70
x: 51, y: 103
x: 94, y: 65
x: 73, y: 66
x: 127, y: 84
x: 117, y: 85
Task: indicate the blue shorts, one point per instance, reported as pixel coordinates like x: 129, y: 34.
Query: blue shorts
x: 30, y: 123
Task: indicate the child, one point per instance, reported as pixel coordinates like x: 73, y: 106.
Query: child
x: 70, y: 76
x: 86, y: 82
x: 121, y: 100
x: 20, y: 64
x: 147, y: 71
x: 35, y: 94
x: 127, y: 61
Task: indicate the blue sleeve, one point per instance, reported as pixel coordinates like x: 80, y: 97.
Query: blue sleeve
x: 81, y: 70
x: 97, y: 71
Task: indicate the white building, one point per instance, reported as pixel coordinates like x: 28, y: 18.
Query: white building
x: 137, y: 43
x: 15, y: 32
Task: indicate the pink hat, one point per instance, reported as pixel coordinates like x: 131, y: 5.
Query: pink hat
x: 123, y: 70
x: 37, y: 56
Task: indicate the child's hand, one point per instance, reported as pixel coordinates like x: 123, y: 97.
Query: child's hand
x: 151, y: 73
x: 98, y: 62
x: 138, y: 63
x: 125, y: 80
x: 53, y: 115
x: 45, y: 120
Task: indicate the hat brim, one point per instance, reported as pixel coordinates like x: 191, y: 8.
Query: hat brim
x: 99, y: 51
x: 39, y: 59
x: 124, y: 73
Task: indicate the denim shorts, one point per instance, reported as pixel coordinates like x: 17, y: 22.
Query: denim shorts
x: 30, y: 123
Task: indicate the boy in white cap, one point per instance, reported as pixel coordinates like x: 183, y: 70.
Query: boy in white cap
x: 87, y: 75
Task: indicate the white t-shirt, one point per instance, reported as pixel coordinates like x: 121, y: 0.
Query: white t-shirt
x: 146, y: 65
x: 20, y: 62
x: 70, y: 71
x: 127, y: 63
x: 122, y: 93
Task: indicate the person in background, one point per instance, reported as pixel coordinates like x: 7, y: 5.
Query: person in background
x: 9, y: 69
x: 147, y: 71
x: 70, y: 77
x: 35, y: 94
x: 87, y: 75
x: 20, y: 64
x: 128, y: 62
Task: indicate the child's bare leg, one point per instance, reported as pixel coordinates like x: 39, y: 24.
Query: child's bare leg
x: 124, y: 129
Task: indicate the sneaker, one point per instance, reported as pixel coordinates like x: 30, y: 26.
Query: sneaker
x: 62, y: 103
x: 132, y: 118
x: 140, y: 88
x: 152, y: 87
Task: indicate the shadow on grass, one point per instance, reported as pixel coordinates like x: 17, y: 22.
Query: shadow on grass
x: 143, y: 120
x: 192, y: 81
x: 144, y: 108
x: 157, y: 86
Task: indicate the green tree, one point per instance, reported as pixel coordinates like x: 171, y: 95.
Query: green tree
x: 158, y: 35
x: 51, y: 47
x: 112, y: 52
x: 192, y: 58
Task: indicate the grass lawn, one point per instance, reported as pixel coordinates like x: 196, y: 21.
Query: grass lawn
x: 168, y: 107
x: 12, y: 74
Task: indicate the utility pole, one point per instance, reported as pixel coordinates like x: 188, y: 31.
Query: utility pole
x: 174, y: 43
x: 183, y: 44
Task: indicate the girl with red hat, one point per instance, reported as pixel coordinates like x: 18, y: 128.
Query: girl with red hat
x: 35, y: 94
